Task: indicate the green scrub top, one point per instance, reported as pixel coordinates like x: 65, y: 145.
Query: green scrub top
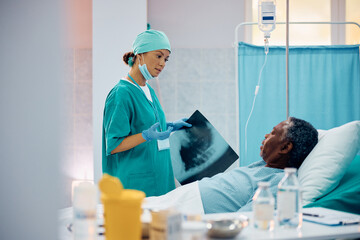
x: 128, y: 112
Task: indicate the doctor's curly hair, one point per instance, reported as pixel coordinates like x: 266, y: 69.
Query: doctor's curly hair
x: 304, y: 137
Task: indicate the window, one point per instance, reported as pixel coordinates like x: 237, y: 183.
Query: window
x: 352, y: 14
x: 311, y: 11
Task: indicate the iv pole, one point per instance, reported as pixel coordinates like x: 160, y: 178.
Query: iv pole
x: 287, y: 59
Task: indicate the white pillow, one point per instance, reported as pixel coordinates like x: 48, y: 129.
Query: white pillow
x: 327, y: 163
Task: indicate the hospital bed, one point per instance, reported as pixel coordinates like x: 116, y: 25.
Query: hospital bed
x: 329, y: 176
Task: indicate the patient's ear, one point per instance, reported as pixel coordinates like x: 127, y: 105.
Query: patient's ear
x: 286, y: 148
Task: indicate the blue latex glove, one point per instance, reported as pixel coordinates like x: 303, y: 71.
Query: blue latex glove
x: 152, y: 133
x: 179, y: 124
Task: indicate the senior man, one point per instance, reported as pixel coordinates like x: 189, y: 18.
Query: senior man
x: 287, y: 145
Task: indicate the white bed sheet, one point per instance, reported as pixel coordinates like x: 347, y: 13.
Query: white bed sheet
x: 185, y: 199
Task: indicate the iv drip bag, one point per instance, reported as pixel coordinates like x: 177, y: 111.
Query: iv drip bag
x: 266, y: 16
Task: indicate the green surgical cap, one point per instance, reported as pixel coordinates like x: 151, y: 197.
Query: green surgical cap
x: 150, y: 40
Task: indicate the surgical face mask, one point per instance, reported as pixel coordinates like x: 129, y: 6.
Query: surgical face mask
x: 144, y: 71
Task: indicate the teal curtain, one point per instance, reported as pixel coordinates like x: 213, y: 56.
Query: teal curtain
x: 324, y: 89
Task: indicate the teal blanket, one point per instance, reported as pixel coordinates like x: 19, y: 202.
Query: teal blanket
x: 346, y: 196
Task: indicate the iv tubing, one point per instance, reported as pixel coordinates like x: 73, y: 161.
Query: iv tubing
x: 256, y: 92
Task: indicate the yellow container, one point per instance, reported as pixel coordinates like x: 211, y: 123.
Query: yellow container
x: 122, y: 210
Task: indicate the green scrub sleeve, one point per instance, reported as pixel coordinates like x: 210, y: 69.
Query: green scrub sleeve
x: 116, y: 125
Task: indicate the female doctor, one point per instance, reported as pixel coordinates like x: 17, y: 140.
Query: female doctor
x: 135, y: 132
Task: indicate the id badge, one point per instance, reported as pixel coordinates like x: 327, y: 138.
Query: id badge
x: 163, y: 144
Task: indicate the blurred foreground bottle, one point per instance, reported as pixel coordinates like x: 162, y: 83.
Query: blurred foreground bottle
x: 289, y: 200
x: 84, y: 208
x: 122, y: 209
x: 165, y: 225
x: 263, y: 207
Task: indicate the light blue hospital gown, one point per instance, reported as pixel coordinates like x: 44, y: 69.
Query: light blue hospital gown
x: 233, y: 190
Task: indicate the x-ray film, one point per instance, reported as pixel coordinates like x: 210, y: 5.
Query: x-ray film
x: 199, y: 151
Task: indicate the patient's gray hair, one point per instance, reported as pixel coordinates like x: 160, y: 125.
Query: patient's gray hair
x: 304, y: 137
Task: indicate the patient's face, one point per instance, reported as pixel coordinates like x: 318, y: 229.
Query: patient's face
x: 273, y: 142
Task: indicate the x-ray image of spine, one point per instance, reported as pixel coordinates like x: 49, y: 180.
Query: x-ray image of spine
x: 195, y: 151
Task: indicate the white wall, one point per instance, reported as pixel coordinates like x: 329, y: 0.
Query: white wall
x: 30, y: 141
x: 201, y: 71
x: 115, y: 26
x: 197, y: 23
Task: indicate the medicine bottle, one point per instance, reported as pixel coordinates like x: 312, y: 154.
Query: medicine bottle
x: 289, y: 200
x: 263, y: 207
x: 84, y: 208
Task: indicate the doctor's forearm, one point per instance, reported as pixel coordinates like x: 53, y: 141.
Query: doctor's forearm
x: 129, y: 142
